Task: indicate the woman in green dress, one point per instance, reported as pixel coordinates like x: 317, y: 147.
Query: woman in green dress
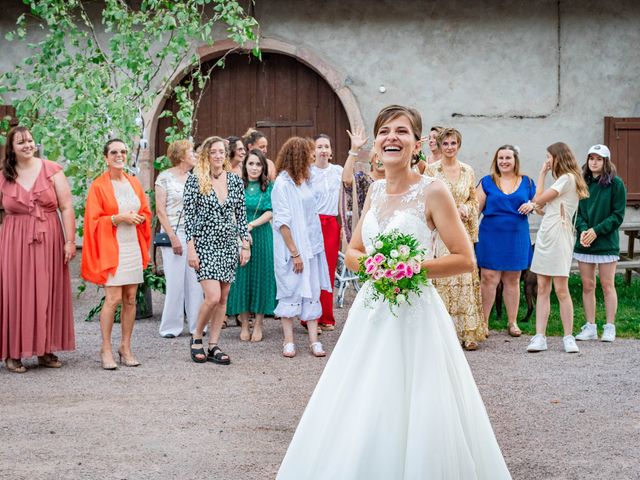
x: 254, y: 289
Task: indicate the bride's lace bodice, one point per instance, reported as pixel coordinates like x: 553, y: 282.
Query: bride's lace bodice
x: 405, y: 212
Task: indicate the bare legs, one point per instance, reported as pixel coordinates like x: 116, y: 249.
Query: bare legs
x: 212, y: 310
x: 561, y: 286
x: 607, y: 273
x: 245, y: 332
x: 124, y: 295
x: 287, y: 330
x: 511, y: 293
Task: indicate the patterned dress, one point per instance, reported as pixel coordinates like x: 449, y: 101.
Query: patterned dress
x: 461, y: 293
x: 215, y: 227
x: 352, y: 201
x: 254, y: 289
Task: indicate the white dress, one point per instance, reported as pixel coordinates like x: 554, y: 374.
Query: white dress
x: 129, y: 271
x: 397, y: 399
x: 556, y: 237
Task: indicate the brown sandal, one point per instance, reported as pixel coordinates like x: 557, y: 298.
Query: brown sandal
x: 49, y: 360
x: 470, y: 345
x: 14, y: 365
x: 514, y: 331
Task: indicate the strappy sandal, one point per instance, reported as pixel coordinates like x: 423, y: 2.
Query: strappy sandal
x: 49, y: 360
x: 197, y: 354
x: 216, y: 355
x: 14, y: 365
x: 317, y: 350
x: 470, y: 346
x: 514, y: 331
x: 289, y: 350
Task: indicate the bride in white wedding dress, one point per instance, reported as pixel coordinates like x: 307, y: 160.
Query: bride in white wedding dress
x: 397, y: 399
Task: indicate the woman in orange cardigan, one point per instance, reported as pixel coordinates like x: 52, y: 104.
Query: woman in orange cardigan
x: 115, y: 248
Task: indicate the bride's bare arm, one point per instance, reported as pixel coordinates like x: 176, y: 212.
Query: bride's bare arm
x: 356, y: 249
x: 442, y: 212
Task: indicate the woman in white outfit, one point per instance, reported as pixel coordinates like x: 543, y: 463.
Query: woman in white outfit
x: 397, y: 399
x: 555, y: 241
x: 183, y: 290
x: 298, y: 248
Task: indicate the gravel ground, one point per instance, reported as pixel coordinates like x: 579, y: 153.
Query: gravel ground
x: 556, y: 416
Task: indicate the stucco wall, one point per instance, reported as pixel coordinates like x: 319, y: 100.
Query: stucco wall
x: 501, y: 71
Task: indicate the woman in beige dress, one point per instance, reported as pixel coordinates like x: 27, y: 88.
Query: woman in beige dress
x: 115, y: 249
x: 460, y: 293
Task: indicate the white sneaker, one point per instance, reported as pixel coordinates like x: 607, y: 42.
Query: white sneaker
x: 609, y: 333
x: 570, y: 345
x: 538, y: 343
x: 589, y: 331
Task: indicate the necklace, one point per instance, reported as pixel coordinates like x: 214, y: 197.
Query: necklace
x: 217, y: 176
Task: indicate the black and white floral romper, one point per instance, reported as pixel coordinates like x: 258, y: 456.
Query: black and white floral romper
x: 215, y: 228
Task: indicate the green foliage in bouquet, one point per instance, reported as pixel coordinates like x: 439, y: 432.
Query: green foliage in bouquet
x: 393, y: 265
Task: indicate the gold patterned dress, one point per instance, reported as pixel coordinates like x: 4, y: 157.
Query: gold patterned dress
x: 461, y: 293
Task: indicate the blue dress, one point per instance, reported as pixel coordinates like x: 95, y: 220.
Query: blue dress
x: 503, y: 240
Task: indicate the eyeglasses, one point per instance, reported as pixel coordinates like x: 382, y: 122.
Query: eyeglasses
x: 115, y: 152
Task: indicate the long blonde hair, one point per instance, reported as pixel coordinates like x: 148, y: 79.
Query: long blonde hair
x: 202, y: 170
x: 564, y: 161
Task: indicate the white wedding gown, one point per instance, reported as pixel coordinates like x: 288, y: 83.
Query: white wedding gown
x: 397, y: 399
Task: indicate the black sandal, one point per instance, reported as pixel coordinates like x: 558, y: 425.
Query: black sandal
x: 197, y: 351
x: 216, y: 355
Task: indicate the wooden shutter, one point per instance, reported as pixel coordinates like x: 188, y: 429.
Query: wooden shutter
x: 622, y: 136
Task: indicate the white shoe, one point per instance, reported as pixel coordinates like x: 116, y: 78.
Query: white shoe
x: 570, y: 345
x: 609, y: 333
x: 589, y: 331
x: 538, y: 343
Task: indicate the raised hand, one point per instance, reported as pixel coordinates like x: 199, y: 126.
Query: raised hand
x: 358, y: 138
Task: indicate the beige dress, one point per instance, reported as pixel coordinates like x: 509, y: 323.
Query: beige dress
x: 556, y: 236
x: 129, y: 271
x: 461, y: 293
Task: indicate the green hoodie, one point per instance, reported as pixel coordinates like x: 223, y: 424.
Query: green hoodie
x: 604, y: 212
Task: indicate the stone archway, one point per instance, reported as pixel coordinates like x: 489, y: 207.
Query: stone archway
x: 315, y: 80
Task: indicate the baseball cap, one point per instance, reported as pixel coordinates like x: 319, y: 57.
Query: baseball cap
x: 601, y: 150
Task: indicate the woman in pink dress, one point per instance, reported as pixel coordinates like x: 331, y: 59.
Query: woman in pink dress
x: 36, y: 315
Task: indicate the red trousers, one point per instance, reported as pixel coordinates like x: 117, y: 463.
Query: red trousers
x: 331, y: 236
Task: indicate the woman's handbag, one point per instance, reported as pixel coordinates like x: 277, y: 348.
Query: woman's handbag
x: 161, y: 239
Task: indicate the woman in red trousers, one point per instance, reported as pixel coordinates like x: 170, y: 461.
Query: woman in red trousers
x: 326, y: 181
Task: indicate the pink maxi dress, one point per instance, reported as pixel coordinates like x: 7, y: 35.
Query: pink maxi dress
x: 36, y: 314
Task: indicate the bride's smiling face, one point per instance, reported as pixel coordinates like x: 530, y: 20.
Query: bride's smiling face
x: 395, y: 142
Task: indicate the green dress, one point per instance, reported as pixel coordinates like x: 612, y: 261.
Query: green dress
x: 254, y: 289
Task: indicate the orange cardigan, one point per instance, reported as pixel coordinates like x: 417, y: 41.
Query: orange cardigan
x: 100, y: 246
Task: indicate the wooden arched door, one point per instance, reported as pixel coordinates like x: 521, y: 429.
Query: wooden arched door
x: 279, y: 96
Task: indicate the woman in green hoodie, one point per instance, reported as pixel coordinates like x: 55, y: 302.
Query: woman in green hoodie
x: 598, y: 219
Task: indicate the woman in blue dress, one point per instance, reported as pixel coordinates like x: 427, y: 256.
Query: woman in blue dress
x: 504, y: 246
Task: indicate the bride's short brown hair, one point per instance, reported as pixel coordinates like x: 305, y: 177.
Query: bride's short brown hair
x: 392, y: 112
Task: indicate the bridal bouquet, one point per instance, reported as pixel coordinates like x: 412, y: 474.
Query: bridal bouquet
x: 393, y: 264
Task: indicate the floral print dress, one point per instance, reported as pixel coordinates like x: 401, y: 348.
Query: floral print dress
x: 461, y: 293
x: 215, y: 227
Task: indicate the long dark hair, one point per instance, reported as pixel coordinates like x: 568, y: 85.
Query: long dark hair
x: 609, y: 172
x: 264, y: 177
x: 9, y: 162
